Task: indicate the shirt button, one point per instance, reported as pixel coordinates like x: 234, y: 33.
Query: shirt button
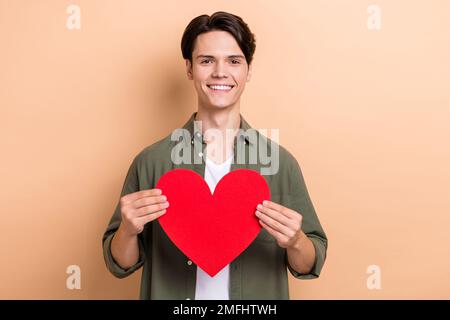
x: 188, y: 298
x: 192, y: 141
x: 189, y: 262
x: 200, y: 154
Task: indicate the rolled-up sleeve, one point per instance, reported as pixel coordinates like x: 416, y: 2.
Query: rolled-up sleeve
x: 301, y: 202
x: 130, y: 185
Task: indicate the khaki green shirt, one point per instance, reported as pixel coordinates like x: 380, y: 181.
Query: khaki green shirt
x: 259, y: 272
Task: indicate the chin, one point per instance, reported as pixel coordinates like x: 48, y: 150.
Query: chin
x: 219, y: 105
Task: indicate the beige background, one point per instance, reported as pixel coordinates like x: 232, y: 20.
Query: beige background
x: 365, y: 112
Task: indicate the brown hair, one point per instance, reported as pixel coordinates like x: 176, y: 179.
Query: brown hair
x: 219, y: 21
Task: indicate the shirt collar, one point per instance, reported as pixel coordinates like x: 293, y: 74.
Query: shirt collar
x: 197, y: 134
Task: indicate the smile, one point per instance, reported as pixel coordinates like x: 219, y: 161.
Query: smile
x: 221, y: 87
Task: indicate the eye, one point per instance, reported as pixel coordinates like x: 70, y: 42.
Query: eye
x: 235, y: 61
x: 205, y: 61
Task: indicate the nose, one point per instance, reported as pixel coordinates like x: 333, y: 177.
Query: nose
x: 219, y: 70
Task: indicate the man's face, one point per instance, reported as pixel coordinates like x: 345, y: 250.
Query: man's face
x: 219, y: 69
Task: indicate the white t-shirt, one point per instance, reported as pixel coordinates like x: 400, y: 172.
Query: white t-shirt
x: 206, y: 287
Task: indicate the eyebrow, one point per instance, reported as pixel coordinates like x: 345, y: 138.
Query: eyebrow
x: 234, y: 56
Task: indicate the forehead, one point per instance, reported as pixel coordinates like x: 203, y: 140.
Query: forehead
x: 216, y: 43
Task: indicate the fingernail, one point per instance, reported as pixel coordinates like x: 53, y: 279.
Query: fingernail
x: 265, y: 202
x: 164, y: 198
x: 259, y: 206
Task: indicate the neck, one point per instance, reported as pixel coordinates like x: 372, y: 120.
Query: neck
x: 226, y: 122
x: 221, y: 119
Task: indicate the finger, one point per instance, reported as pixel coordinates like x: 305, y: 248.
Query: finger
x: 150, y: 217
x: 146, y: 201
x: 151, y: 209
x: 281, y: 218
x: 140, y: 194
x: 275, y: 224
x: 278, y: 207
x: 277, y: 235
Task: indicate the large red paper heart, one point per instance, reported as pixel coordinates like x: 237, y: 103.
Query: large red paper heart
x: 212, y: 230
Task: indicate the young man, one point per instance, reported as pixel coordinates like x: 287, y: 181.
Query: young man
x: 218, y: 50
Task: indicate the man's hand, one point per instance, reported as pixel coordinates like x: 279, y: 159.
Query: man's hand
x: 285, y: 226
x: 139, y: 208
x: 282, y: 223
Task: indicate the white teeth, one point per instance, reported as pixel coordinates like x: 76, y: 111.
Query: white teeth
x: 221, y: 87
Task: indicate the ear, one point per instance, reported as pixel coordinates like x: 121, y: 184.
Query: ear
x: 249, y: 73
x: 189, y: 69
